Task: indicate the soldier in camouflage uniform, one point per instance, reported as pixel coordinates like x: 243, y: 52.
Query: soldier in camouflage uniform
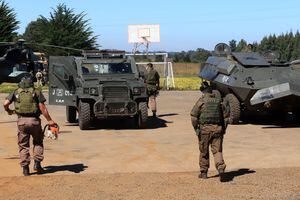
x: 152, y: 81
x: 208, y: 122
x: 29, y: 104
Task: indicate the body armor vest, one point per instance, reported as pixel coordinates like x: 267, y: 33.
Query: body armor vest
x: 151, y: 77
x: 211, y: 110
x: 25, y: 104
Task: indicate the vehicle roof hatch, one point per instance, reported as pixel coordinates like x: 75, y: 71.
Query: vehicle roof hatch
x: 250, y: 59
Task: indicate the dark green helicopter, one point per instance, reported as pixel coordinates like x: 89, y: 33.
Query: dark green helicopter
x: 16, y: 63
x: 19, y: 59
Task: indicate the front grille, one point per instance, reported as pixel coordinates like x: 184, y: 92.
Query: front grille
x: 115, y: 108
x: 115, y: 92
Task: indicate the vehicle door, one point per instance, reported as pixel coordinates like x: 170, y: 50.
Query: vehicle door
x: 62, y: 75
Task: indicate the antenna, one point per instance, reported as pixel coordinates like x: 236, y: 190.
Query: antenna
x: 143, y: 35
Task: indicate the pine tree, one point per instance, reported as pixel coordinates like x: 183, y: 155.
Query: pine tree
x: 8, y: 22
x: 232, y: 45
x: 241, y: 45
x: 63, y: 28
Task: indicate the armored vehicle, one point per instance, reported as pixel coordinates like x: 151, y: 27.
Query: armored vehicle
x: 99, y: 84
x: 252, y: 83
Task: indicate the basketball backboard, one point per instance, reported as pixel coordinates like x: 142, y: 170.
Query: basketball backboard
x: 144, y: 33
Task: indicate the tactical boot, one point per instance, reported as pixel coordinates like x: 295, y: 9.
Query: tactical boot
x: 37, y: 167
x: 26, y: 170
x: 203, y: 175
x: 222, y: 175
x: 154, y: 114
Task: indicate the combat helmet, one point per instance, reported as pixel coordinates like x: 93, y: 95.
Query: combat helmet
x: 26, y: 82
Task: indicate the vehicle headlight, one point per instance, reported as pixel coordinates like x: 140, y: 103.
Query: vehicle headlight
x: 93, y: 91
x: 138, y: 90
x: 90, y: 91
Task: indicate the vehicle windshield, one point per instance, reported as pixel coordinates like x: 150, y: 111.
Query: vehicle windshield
x: 106, y: 68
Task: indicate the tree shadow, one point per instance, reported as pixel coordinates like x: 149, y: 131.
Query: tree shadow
x: 229, y: 176
x: 75, y: 168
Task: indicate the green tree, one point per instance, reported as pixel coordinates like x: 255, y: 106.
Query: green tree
x: 34, y: 33
x: 63, y: 28
x: 241, y: 45
x: 296, y: 48
x: 8, y: 22
x: 232, y: 45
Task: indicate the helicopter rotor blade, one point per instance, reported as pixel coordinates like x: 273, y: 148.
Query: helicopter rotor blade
x: 55, y: 46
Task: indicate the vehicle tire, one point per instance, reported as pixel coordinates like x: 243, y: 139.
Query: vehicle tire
x: 71, y: 112
x: 142, y: 115
x: 217, y: 93
x: 84, y: 115
x: 232, y: 109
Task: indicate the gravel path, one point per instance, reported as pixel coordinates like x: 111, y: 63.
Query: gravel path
x: 266, y: 184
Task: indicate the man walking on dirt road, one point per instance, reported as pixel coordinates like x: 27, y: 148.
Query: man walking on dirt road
x: 29, y: 104
x: 208, y: 122
x: 152, y: 82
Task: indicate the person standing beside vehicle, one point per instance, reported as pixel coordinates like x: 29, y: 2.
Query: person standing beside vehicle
x: 209, y: 124
x: 152, y: 81
x: 29, y: 104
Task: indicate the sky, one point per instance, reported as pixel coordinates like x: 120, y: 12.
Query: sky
x: 184, y: 25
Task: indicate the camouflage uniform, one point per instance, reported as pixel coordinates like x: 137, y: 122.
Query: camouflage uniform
x: 152, y: 81
x: 29, y: 124
x: 209, y: 133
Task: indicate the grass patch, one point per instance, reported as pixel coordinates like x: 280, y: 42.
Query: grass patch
x: 184, y: 83
x: 9, y: 87
x: 181, y: 83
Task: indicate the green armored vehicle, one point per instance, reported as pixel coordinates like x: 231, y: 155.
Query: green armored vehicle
x: 98, y: 85
x: 253, y: 83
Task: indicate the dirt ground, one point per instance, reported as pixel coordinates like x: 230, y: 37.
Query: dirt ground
x: 116, y: 161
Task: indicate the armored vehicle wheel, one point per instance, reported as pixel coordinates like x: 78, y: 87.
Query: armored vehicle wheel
x: 84, y: 115
x: 232, y: 110
x: 71, y: 114
x: 217, y: 93
x: 142, y: 116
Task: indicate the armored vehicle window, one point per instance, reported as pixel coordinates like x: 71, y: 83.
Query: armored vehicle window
x: 58, y: 70
x: 106, y: 68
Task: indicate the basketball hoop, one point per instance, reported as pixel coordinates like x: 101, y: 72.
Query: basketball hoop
x: 143, y: 35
